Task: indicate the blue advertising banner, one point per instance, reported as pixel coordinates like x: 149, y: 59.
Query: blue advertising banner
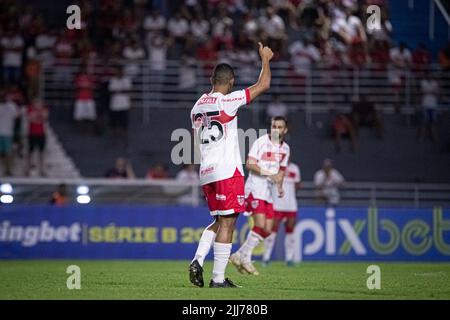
x: 145, y: 232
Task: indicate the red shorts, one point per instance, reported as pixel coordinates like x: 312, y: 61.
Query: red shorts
x: 256, y: 206
x: 225, y: 196
x: 285, y: 214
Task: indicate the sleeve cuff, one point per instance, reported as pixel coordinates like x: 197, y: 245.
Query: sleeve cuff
x: 247, y: 96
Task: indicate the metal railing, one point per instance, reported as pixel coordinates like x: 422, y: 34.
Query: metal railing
x: 173, y: 192
x: 317, y: 91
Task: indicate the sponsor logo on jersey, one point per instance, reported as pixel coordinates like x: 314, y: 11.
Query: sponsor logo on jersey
x: 207, y: 100
x: 206, y: 171
x: 221, y: 197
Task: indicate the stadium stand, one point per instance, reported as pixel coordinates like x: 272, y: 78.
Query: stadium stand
x: 168, y: 73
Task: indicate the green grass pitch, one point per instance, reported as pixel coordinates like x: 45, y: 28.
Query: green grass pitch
x: 43, y: 279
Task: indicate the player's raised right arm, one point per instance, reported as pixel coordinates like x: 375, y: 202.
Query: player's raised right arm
x: 263, y: 83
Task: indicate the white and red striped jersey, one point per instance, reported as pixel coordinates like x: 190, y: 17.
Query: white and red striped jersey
x: 214, y: 119
x: 288, y: 203
x: 269, y: 157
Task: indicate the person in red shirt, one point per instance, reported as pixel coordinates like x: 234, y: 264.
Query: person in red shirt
x: 158, y: 171
x: 59, y: 197
x: 84, y: 109
x: 37, y: 115
x: 208, y: 56
x: 421, y: 58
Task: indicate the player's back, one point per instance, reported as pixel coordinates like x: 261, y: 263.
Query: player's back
x: 214, y: 119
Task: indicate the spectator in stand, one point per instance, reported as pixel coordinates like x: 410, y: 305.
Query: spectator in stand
x: 158, y: 171
x: 276, y: 108
x: 349, y: 28
x: 250, y: 27
x: 122, y: 170
x: 44, y: 44
x: 365, y: 114
x: 207, y: 56
x: 14, y: 94
x: 247, y: 58
x: 130, y: 22
x: 12, y: 45
x: 342, y: 127
x: 421, y: 58
x: 430, y: 94
x: 379, y: 55
x: 401, y: 59
x: 157, y: 48
x: 154, y: 23
x: 37, y: 116
x: 273, y: 26
x: 32, y: 72
x: 133, y: 52
x: 84, y: 108
x: 178, y: 28
x: 119, y: 88
x: 328, y: 181
x: 187, y: 77
x: 63, y: 51
x: 8, y: 114
x: 200, y: 28
x: 303, y: 57
x: 444, y: 58
x: 59, y: 197
x: 187, y: 175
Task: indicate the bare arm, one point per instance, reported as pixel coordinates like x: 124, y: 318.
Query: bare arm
x: 263, y: 83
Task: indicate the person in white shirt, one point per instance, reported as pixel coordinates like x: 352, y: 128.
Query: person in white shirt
x: 285, y: 210
x: 154, y: 23
x: 187, y: 176
x: 401, y: 59
x: 187, y: 77
x: 214, y: 123
x: 178, y: 26
x: 430, y: 94
x: 273, y: 25
x: 267, y: 162
x: 327, y: 182
x: 12, y: 45
x: 303, y: 57
x: 133, y: 52
x: 119, y: 87
x: 8, y: 113
x: 200, y: 28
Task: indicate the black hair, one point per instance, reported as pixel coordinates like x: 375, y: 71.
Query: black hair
x: 222, y: 74
x: 280, y: 118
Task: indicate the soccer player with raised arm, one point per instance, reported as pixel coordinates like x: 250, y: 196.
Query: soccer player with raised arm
x: 214, y: 121
x: 267, y: 162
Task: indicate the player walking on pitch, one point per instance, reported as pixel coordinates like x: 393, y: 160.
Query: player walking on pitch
x: 214, y: 120
x: 285, y: 209
x: 267, y: 162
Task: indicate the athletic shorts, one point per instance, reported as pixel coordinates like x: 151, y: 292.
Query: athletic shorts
x: 36, y: 142
x: 225, y: 197
x: 257, y: 206
x: 5, y: 145
x: 84, y: 110
x: 285, y: 214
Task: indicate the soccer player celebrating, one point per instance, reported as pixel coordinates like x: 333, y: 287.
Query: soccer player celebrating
x: 267, y: 161
x: 214, y: 120
x: 285, y: 210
